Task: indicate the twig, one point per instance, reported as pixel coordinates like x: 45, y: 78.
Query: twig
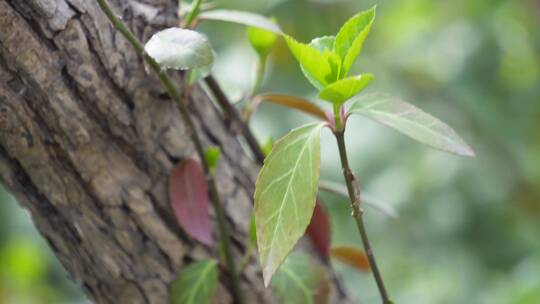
x: 176, y: 96
x: 231, y: 111
x: 354, y: 196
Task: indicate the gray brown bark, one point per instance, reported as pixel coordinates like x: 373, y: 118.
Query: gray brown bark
x: 87, y: 139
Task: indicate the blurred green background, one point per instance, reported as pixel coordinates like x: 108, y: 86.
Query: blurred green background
x: 468, y: 230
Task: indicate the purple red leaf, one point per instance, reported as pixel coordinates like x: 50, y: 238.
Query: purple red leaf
x: 188, y: 193
x: 319, y: 230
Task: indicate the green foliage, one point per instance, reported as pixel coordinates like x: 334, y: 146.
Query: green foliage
x: 241, y: 17
x: 261, y: 40
x: 341, y: 90
x: 410, y: 121
x: 285, y: 194
x: 327, y: 60
x: 21, y: 261
x: 267, y: 146
x: 198, y: 74
x: 351, y: 37
x: 212, y: 156
x: 323, y: 44
x: 180, y: 49
x: 314, y: 64
x: 300, y: 280
x: 195, y: 284
x: 481, y: 59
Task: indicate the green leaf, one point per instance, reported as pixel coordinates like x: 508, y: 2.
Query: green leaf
x: 314, y: 64
x: 261, y: 40
x: 195, y: 284
x: 198, y: 74
x: 212, y: 156
x: 245, y: 18
x: 410, y: 121
x: 324, y: 43
x: 267, y: 146
x: 341, y: 90
x: 351, y: 37
x: 300, y: 280
x: 329, y: 55
x: 180, y: 49
x: 285, y: 195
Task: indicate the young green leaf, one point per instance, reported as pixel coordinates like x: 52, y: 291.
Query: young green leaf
x: 352, y: 257
x: 410, y: 121
x: 319, y: 230
x: 180, y: 49
x: 212, y: 156
x: 300, y: 280
x: 341, y: 90
x: 246, y: 18
x: 285, y: 194
x: 267, y: 146
x: 188, y: 193
x: 261, y: 40
x: 351, y: 37
x: 324, y: 43
x: 195, y: 284
x: 314, y: 64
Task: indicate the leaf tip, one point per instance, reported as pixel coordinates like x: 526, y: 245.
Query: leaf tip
x: 206, y: 239
x: 267, y: 275
x: 468, y: 151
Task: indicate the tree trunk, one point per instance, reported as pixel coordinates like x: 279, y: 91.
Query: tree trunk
x: 88, y: 138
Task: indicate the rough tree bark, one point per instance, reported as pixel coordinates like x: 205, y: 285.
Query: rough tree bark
x: 87, y: 139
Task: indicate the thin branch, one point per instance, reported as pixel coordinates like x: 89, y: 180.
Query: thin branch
x: 176, y: 96
x: 231, y: 111
x: 259, y: 76
x: 354, y: 196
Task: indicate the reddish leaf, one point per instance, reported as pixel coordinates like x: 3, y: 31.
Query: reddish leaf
x: 319, y: 230
x: 292, y: 102
x: 188, y: 192
x: 352, y: 257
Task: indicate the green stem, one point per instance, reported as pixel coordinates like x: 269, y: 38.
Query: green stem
x: 176, y: 96
x: 354, y: 196
x: 195, y: 7
x: 261, y: 67
x: 337, y: 117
